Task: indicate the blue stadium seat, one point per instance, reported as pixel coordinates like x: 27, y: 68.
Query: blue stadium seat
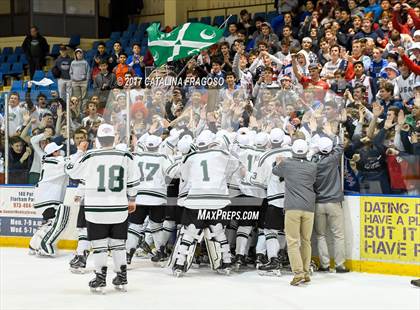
x: 142, y: 27
x: 55, y: 50
x: 124, y: 42
x: 205, y: 20
x: 13, y: 58
x: 7, y: 51
x: 38, y: 75
x: 18, y: 50
x: 259, y: 14
x: 1, y: 82
x: 271, y: 15
x: 193, y: 20
x: 131, y: 28
x: 23, y: 59
x: 3, y: 58
x: 127, y: 34
x: 115, y: 35
x: 95, y: 44
x: 250, y: 45
x: 17, y: 69
x: 50, y: 76
x: 16, y: 86
x: 218, y: 20
x: 233, y: 19
x: 74, y: 41
x: 109, y: 43
x: 54, y: 87
x: 5, y: 68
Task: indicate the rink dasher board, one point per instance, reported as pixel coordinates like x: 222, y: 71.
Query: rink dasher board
x: 374, y: 241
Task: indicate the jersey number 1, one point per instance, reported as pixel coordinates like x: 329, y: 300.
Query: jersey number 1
x: 115, y: 174
x: 205, y: 171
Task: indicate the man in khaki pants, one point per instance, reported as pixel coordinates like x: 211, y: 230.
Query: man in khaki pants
x: 299, y: 175
x: 328, y: 209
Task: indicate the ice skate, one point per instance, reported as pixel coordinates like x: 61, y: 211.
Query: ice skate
x: 323, y: 269
x: 260, y: 260
x: 31, y: 251
x: 120, y: 281
x: 225, y: 268
x: 160, y: 257
x: 178, y: 270
x: 78, y: 264
x: 240, y: 262
x: 98, y: 284
x: 145, y: 247
x: 271, y: 269
x: 341, y: 269
x: 130, y: 255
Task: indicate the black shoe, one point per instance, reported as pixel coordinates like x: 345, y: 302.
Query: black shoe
x: 121, y: 278
x: 341, y: 269
x: 274, y: 264
x: 160, y: 255
x: 260, y: 260
x: 323, y: 269
x: 100, y: 279
x: 130, y: 255
x: 415, y: 282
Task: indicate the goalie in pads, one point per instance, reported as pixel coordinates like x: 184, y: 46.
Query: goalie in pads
x: 49, y: 195
x: 206, y: 171
x: 111, y: 181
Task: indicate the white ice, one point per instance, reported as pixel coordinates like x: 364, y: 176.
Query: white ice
x: 28, y: 282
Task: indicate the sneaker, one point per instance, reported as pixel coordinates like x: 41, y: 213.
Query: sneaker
x: 297, y: 279
x: 341, y: 269
x: 415, y: 282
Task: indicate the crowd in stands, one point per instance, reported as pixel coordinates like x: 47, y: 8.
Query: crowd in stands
x: 348, y: 68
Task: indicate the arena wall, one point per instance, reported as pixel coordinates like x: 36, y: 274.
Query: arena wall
x: 382, y: 232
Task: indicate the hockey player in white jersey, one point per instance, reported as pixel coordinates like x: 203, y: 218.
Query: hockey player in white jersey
x: 274, y: 215
x: 151, y: 198
x: 206, y: 171
x: 111, y: 181
x: 48, y: 196
x: 252, y: 196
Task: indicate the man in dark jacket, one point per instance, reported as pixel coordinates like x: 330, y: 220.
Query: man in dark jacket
x: 328, y: 208
x: 36, y: 48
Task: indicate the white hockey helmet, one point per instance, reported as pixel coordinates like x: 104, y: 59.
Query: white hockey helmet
x: 105, y: 130
x: 276, y: 135
x: 300, y: 147
x: 52, y: 147
x: 205, y: 138
x: 243, y: 139
x: 153, y: 141
x: 184, y: 144
x: 325, y: 145
x: 261, y: 139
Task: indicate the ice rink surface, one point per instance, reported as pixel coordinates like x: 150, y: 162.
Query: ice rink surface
x: 28, y: 282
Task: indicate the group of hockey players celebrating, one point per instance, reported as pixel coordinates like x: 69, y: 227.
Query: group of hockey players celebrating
x: 143, y: 196
x: 325, y: 101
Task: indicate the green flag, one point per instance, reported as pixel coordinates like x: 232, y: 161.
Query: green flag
x: 184, y: 41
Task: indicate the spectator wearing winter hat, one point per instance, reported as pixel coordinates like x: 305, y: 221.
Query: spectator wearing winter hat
x: 139, y: 114
x: 268, y: 36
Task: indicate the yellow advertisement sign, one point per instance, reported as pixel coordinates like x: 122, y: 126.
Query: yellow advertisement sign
x: 390, y: 228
